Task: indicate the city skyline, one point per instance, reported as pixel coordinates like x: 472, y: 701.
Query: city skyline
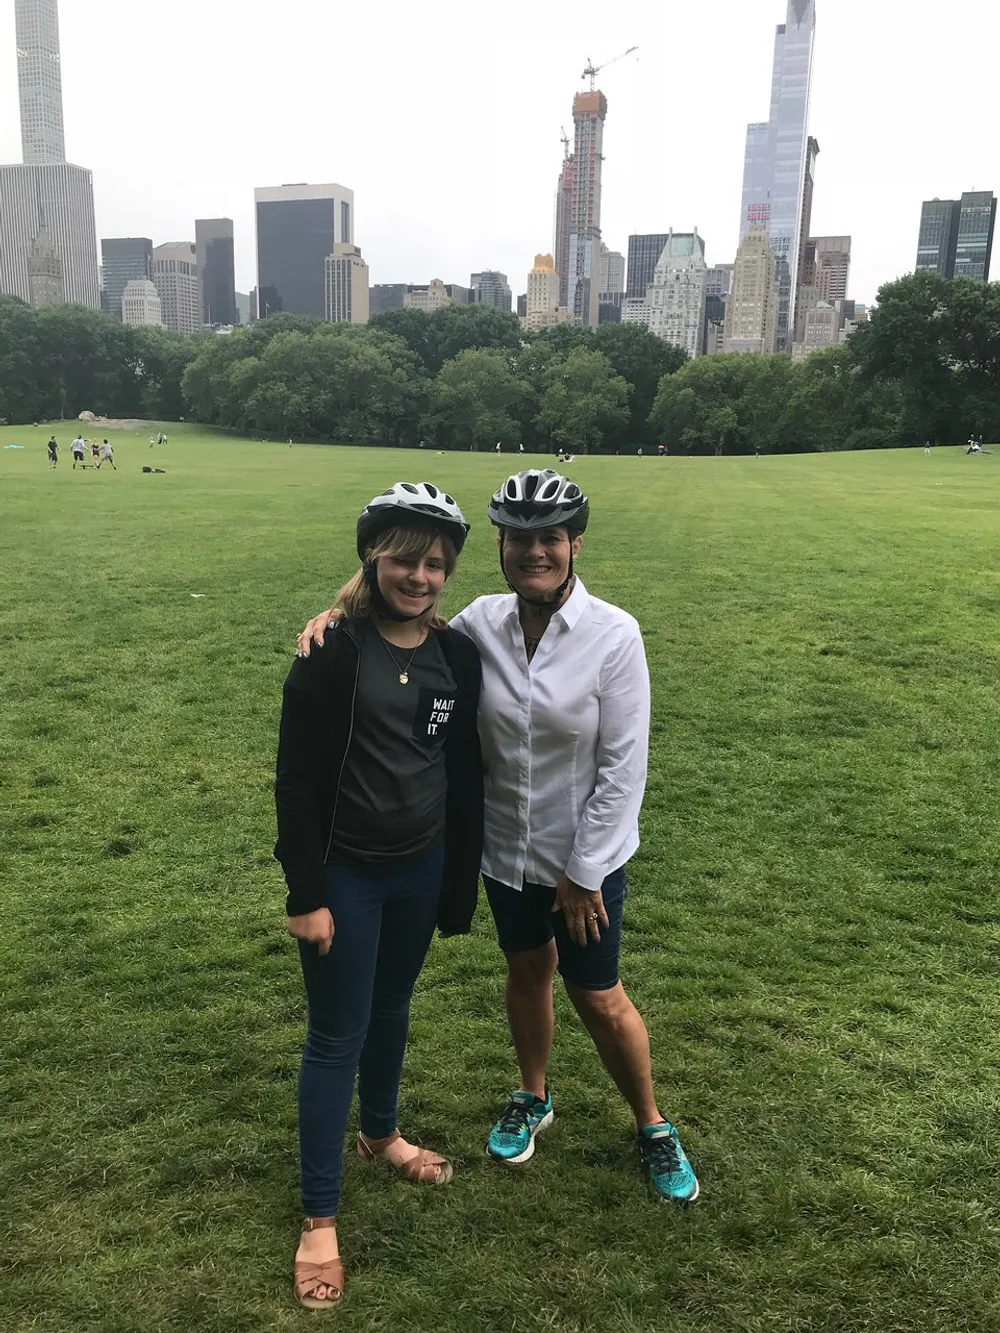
x: 219, y: 147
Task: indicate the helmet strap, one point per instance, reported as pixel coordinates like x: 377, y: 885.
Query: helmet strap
x: 380, y: 605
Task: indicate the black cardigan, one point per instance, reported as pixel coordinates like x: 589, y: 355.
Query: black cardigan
x: 317, y: 720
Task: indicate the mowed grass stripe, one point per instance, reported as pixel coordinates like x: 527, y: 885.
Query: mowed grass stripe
x: 812, y: 929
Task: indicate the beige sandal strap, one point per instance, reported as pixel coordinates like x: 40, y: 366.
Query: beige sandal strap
x: 309, y: 1276
x: 413, y: 1168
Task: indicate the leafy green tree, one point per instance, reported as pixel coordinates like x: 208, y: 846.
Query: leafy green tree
x: 585, y: 402
x: 460, y: 328
x: 23, y: 395
x: 412, y: 326
x: 641, y: 359
x: 474, y: 401
x: 910, y: 339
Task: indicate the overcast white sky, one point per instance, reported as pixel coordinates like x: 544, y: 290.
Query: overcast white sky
x: 444, y: 116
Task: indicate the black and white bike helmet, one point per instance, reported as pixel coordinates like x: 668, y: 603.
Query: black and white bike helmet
x: 540, y: 498
x: 413, y: 501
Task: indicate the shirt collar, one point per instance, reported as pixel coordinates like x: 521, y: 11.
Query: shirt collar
x: 570, y: 611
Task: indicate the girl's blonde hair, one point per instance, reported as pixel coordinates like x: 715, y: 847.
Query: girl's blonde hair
x: 407, y: 542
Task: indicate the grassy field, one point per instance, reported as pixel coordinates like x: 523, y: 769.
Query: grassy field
x: 812, y: 933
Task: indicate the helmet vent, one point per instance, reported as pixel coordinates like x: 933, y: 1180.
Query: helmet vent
x: 530, y: 486
x: 512, y: 489
x: 408, y: 487
x: 448, y: 500
x: 549, y: 490
x: 431, y: 490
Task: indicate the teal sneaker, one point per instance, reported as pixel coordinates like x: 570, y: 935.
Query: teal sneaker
x: 512, y: 1138
x: 666, y: 1163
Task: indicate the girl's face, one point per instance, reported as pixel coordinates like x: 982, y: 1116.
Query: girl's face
x: 537, y: 562
x: 412, y: 584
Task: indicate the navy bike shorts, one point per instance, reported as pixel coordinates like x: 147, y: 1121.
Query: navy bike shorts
x: 525, y: 920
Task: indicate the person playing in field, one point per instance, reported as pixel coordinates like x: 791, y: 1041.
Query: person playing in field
x: 79, y: 452
x: 53, y: 451
x: 564, y: 724
x: 107, y: 456
x: 95, y: 452
x: 379, y: 795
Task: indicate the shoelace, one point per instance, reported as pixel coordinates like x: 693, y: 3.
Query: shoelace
x: 661, y: 1154
x: 513, y: 1118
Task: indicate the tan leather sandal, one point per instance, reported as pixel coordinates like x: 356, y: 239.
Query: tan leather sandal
x: 309, y: 1277
x: 423, y: 1167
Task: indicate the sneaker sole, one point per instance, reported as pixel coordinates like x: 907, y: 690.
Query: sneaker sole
x: 668, y: 1198
x: 544, y: 1123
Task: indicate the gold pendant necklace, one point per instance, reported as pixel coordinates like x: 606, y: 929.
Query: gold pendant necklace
x: 404, y: 672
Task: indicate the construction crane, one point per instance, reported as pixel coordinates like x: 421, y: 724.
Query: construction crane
x: 565, y: 142
x: 592, y: 70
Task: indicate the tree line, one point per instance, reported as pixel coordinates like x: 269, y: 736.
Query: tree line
x: 927, y: 365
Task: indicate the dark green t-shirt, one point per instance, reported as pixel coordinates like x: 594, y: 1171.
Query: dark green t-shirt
x: 391, y: 804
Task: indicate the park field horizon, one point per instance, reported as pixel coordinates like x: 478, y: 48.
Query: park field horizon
x: 812, y: 931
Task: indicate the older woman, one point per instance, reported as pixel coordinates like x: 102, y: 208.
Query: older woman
x: 379, y: 802
x: 564, y: 723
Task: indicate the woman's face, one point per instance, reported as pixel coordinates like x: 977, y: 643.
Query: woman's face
x: 412, y: 584
x: 537, y: 563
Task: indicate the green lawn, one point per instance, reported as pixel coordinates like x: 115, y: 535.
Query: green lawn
x: 812, y: 933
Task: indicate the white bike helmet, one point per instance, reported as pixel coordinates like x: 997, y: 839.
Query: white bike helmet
x: 540, y: 498
x: 415, y: 502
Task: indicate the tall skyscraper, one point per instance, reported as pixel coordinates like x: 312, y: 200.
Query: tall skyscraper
x: 643, y: 256
x: 491, y: 288
x: 938, y: 237
x: 39, y: 81
x: 805, y: 221
x: 565, y: 195
x: 297, y: 228
x: 956, y: 236
x: 175, y: 276
x: 46, y: 203
x: 346, y: 276
x: 752, y: 308
x: 974, y: 246
x: 213, y: 239
x: 778, y: 158
x: 124, y: 259
x: 589, y: 114
x: 676, y: 296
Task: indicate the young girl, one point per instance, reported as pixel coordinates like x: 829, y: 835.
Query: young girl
x: 379, y: 796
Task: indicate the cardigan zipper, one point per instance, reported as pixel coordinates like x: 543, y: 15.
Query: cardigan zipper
x: 350, y: 735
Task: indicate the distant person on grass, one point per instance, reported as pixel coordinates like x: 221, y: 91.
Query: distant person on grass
x: 53, y: 451
x: 79, y: 452
x: 379, y: 794
x: 107, y: 456
x: 564, y: 723
x: 95, y: 453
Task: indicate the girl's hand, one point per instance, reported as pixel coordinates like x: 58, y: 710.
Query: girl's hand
x: 313, y: 927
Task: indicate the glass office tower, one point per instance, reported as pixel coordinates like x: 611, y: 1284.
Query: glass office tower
x: 775, y: 166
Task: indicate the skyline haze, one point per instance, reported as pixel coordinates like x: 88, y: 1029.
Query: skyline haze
x: 436, y: 145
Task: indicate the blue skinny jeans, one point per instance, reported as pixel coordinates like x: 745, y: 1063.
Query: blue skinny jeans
x: 359, y: 1011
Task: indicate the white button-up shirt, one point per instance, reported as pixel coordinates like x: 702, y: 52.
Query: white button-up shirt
x: 565, y: 739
